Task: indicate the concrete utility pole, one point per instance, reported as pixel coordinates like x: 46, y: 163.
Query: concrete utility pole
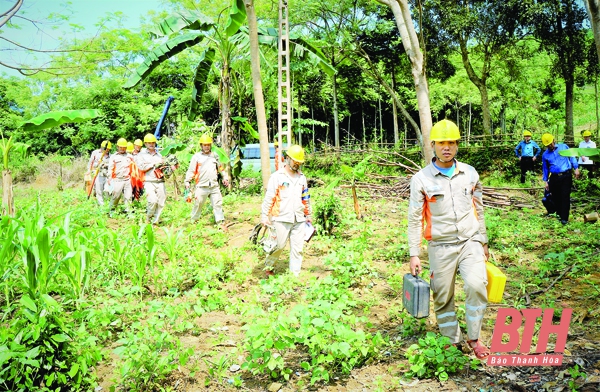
x: 284, y: 91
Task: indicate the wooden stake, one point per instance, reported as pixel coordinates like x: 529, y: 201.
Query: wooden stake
x: 356, y: 207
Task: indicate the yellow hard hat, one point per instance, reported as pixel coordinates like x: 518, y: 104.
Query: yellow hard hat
x: 547, y: 139
x: 149, y: 138
x: 138, y: 142
x: 129, y: 147
x: 526, y: 133
x: 276, y: 142
x: 122, y: 142
x: 206, y: 139
x: 296, y: 153
x: 586, y: 133
x: 106, y: 144
x: 444, y: 130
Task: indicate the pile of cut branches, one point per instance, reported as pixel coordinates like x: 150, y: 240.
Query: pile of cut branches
x: 396, y: 186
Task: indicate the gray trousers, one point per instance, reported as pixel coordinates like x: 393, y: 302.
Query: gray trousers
x: 156, y: 196
x: 99, y: 189
x: 445, y: 261
x: 295, y: 233
x: 121, y: 188
x: 204, y: 192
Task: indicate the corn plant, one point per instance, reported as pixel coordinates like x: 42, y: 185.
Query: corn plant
x: 76, y: 259
x: 35, y: 250
x: 36, y: 346
x: 172, y: 243
x: 8, y: 253
x: 120, y: 254
x: 145, y: 256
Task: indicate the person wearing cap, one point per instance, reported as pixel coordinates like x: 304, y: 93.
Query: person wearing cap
x: 204, y: 170
x: 557, y: 174
x: 286, y: 208
x: 137, y: 147
x: 119, y: 177
x: 154, y: 182
x: 100, y: 158
x: 585, y: 162
x: 527, y: 151
x: 446, y: 208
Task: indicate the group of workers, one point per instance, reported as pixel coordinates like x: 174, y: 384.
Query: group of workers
x: 445, y: 208
x: 557, y: 170
x: 285, y: 209
x: 117, y: 174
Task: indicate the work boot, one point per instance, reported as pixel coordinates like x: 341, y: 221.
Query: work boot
x: 269, y: 273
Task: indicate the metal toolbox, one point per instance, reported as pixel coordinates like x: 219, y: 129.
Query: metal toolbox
x: 415, y: 296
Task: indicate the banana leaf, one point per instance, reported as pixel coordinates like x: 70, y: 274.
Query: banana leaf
x: 187, y: 19
x: 54, y: 119
x: 200, y: 80
x: 223, y: 158
x: 237, y: 17
x: 173, y: 148
x: 300, y: 48
x: 246, y: 125
x: 162, y: 53
x: 578, y: 152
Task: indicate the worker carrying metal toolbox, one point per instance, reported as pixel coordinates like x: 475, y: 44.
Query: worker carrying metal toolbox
x: 446, y: 208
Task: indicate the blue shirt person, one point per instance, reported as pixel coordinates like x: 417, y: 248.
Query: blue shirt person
x: 527, y: 151
x: 557, y: 174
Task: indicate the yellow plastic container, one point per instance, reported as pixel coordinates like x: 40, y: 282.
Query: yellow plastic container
x: 496, y: 282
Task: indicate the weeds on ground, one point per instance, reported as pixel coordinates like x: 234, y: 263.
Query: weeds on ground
x: 435, y: 356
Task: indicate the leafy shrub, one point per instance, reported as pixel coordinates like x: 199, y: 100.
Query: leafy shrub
x: 411, y: 326
x: 585, y: 185
x: 327, y: 331
x: 150, y: 356
x: 435, y: 356
x: 41, y: 349
x: 327, y: 214
x: 25, y: 169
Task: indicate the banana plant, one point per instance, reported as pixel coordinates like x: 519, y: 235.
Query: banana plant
x: 6, y: 146
x: 224, y: 45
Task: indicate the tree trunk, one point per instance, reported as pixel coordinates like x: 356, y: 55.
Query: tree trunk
x: 336, y: 120
x: 593, y: 9
x: 226, y: 114
x: 391, y: 90
x: 8, y: 207
x: 597, y: 108
x: 569, y: 134
x: 411, y: 45
x: 259, y: 100
x: 480, y: 83
x: 395, y: 111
